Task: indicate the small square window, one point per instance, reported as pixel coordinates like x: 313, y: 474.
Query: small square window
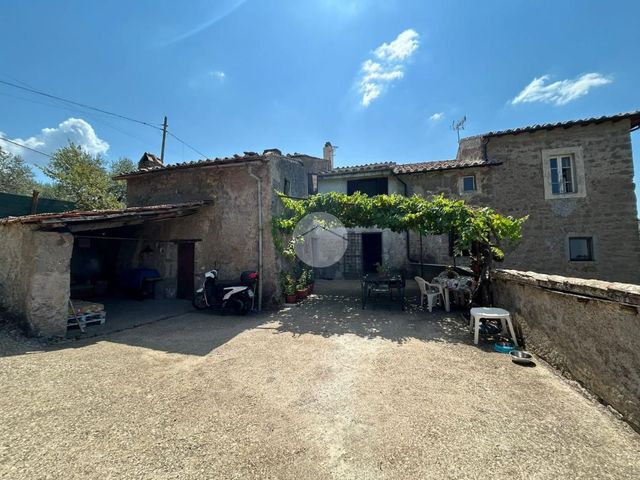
x: 469, y: 183
x: 581, y: 249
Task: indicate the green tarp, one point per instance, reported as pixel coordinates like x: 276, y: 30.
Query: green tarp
x: 16, y: 205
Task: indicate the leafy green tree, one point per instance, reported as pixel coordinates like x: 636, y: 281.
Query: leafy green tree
x: 482, y: 231
x: 119, y: 187
x: 82, y: 178
x: 15, y: 175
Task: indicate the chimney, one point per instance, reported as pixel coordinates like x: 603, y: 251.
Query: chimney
x: 149, y: 161
x: 327, y: 154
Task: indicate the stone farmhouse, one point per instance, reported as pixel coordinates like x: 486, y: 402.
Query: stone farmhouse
x: 183, y: 220
x: 574, y: 179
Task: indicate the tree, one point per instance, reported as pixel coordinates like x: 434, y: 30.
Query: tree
x: 482, y: 231
x: 82, y: 178
x: 15, y: 175
x: 119, y: 187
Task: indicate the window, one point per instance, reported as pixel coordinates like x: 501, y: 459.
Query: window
x: 368, y: 186
x: 581, y: 249
x: 562, y: 174
x: 312, y: 181
x: 469, y: 183
x: 563, y: 171
x: 287, y: 187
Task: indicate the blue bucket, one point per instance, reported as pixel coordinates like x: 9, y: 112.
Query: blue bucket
x: 503, y: 347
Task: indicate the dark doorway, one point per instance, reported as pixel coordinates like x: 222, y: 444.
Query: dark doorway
x: 185, y: 270
x: 371, y: 251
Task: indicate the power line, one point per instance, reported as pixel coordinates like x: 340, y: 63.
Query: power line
x: 82, y: 105
x: 24, y: 146
x: 38, y: 92
x: 186, y: 144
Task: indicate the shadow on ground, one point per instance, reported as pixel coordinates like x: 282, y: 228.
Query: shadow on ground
x: 330, y: 315
x: 174, y: 327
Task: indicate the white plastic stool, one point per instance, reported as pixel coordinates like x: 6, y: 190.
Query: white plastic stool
x: 491, y: 313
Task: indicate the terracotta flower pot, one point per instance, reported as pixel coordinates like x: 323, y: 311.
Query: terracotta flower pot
x: 290, y: 298
x: 301, y: 294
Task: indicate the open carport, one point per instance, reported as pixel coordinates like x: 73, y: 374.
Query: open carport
x: 92, y: 258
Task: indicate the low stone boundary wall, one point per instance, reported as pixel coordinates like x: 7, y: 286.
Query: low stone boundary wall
x: 588, y: 329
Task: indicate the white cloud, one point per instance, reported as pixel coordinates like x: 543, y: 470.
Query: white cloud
x: 218, y: 75
x: 48, y: 140
x: 388, y: 66
x: 562, y: 91
x: 436, y: 116
x: 401, y: 48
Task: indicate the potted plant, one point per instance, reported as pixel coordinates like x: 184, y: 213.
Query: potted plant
x: 301, y: 290
x: 289, y: 289
x: 305, y: 280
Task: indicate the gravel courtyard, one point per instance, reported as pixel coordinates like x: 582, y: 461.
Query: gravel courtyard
x: 323, y: 390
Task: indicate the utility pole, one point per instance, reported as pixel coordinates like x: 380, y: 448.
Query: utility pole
x: 164, y: 138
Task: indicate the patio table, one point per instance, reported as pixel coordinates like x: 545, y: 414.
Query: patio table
x: 457, y: 285
x: 383, y: 283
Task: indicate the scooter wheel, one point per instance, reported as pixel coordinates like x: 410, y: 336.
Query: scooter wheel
x: 199, y: 301
x: 235, y: 306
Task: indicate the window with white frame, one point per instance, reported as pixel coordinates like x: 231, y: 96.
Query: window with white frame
x: 562, y: 174
x: 563, y: 171
x: 469, y: 183
x: 581, y: 249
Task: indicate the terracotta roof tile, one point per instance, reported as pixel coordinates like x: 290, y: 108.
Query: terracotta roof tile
x: 634, y: 116
x: 367, y: 167
x: 441, y: 165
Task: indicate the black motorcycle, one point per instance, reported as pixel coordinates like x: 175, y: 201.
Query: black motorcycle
x: 231, y: 298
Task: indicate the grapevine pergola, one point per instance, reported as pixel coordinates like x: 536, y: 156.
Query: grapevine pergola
x: 480, y: 230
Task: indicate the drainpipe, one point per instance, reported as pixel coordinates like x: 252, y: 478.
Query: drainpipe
x: 260, y: 232
x: 406, y: 193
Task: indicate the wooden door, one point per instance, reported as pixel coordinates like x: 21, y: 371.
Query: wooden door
x: 186, y: 272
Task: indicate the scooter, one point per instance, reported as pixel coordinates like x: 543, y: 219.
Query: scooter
x: 232, y: 298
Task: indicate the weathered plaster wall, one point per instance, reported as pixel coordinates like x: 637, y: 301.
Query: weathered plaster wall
x: 394, y: 251
x: 228, y: 229
x: 435, y: 248
x: 34, y: 278
x: 588, y: 329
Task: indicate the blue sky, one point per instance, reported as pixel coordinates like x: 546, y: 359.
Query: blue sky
x: 383, y: 80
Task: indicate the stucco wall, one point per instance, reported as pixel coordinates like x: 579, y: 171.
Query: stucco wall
x: 227, y: 229
x: 34, y: 278
x: 588, y: 329
x: 394, y: 251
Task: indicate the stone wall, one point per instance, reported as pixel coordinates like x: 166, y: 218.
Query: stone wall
x: 606, y: 212
x: 34, y: 278
x: 227, y: 230
x: 588, y: 329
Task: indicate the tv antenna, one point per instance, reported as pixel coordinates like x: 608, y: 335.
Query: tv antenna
x: 459, y: 125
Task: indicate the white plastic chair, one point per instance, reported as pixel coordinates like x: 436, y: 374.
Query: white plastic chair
x: 432, y: 291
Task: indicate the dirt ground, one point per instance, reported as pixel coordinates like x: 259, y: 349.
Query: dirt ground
x: 323, y: 390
